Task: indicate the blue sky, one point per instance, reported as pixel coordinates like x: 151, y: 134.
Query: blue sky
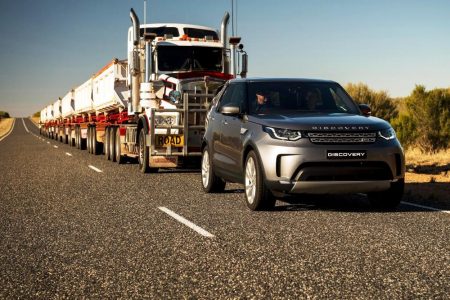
x: 50, y: 46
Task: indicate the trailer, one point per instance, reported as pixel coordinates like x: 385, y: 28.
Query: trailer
x: 152, y: 106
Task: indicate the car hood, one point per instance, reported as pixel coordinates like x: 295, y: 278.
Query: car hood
x: 320, y: 121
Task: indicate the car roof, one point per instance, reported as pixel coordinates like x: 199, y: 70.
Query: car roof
x: 273, y: 79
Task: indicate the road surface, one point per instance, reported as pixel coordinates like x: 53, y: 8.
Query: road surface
x: 75, y: 225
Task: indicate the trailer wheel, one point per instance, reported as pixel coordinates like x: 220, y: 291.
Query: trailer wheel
x: 118, y: 150
x: 112, y: 144
x: 88, y: 141
x: 106, y: 143
x: 95, y: 145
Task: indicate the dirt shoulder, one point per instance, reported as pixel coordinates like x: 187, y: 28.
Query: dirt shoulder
x: 428, y: 178
x: 5, y: 126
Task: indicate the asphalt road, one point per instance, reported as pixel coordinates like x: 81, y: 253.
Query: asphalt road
x: 68, y: 231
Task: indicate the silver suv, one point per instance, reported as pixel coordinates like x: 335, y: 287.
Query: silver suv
x: 299, y: 136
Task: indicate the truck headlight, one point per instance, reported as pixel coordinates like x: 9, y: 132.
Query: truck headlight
x: 387, y: 134
x: 283, y: 134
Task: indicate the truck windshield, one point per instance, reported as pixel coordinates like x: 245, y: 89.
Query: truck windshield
x: 292, y: 96
x: 189, y: 58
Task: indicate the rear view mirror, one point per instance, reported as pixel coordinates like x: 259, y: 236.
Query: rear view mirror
x: 365, y: 109
x: 230, y: 110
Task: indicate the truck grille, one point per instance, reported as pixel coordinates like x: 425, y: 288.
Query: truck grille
x: 335, y: 138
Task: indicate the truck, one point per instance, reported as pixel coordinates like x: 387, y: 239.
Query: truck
x: 151, y: 106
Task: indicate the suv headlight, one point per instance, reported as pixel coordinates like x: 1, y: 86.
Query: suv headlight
x: 283, y: 134
x: 387, y: 134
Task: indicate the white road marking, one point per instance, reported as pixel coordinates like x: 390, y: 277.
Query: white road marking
x: 426, y: 207
x: 186, y: 222
x: 55, y: 146
x: 95, y: 169
x: 33, y: 123
x: 68, y: 154
x: 48, y: 142
x: 26, y: 128
x: 9, y: 132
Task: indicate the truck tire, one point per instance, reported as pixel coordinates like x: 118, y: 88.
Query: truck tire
x: 390, y: 199
x: 82, y: 141
x: 95, y: 145
x: 257, y: 195
x: 112, y: 144
x: 143, y: 156
x: 106, y: 143
x: 89, y: 139
x: 210, y: 182
x: 117, y: 148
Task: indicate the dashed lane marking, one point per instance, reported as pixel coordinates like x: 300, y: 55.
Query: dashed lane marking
x: 95, y: 169
x: 55, y: 146
x: 186, y: 222
x: 68, y: 154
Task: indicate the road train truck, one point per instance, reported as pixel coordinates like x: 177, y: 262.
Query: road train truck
x: 152, y: 105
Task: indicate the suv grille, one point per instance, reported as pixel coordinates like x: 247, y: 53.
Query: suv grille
x: 334, y: 138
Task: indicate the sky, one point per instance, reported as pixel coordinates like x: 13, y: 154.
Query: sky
x: 48, y: 47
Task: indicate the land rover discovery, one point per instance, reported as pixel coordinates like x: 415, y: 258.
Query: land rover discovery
x: 299, y: 136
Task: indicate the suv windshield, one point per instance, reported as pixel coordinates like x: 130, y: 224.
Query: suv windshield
x: 189, y: 58
x: 290, y: 96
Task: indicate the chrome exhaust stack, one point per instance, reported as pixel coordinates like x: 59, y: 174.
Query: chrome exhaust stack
x: 134, y: 64
x: 223, y: 39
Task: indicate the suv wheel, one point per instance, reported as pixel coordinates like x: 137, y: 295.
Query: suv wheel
x: 257, y: 196
x: 210, y: 182
x: 389, y: 199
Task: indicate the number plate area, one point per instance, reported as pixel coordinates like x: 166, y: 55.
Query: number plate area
x: 174, y: 140
x: 346, y: 154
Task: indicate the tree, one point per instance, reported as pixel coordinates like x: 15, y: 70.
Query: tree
x: 381, y: 104
x: 4, y: 114
x: 37, y: 114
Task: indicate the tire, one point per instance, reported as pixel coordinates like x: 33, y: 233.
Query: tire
x: 390, y: 199
x: 95, y: 145
x: 257, y: 195
x: 106, y: 143
x: 89, y: 140
x: 117, y: 148
x: 210, y: 182
x: 143, y: 157
x: 83, y: 142
x: 112, y: 144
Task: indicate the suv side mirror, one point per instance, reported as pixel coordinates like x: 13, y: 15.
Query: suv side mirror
x: 230, y: 110
x: 365, y: 109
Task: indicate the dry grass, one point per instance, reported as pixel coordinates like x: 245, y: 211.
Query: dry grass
x: 427, y: 167
x: 35, y: 120
x: 428, y: 178
x: 5, y: 125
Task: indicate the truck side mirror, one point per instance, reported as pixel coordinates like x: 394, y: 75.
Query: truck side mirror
x: 244, y: 65
x: 365, y: 109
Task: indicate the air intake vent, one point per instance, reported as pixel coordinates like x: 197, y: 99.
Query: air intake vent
x: 336, y: 138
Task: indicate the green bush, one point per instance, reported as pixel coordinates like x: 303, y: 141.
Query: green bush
x: 4, y: 114
x: 429, y: 114
x: 379, y: 101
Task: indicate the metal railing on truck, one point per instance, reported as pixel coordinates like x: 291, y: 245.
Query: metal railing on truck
x: 192, y: 116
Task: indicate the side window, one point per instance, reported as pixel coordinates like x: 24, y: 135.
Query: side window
x: 227, y: 97
x: 235, y: 95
